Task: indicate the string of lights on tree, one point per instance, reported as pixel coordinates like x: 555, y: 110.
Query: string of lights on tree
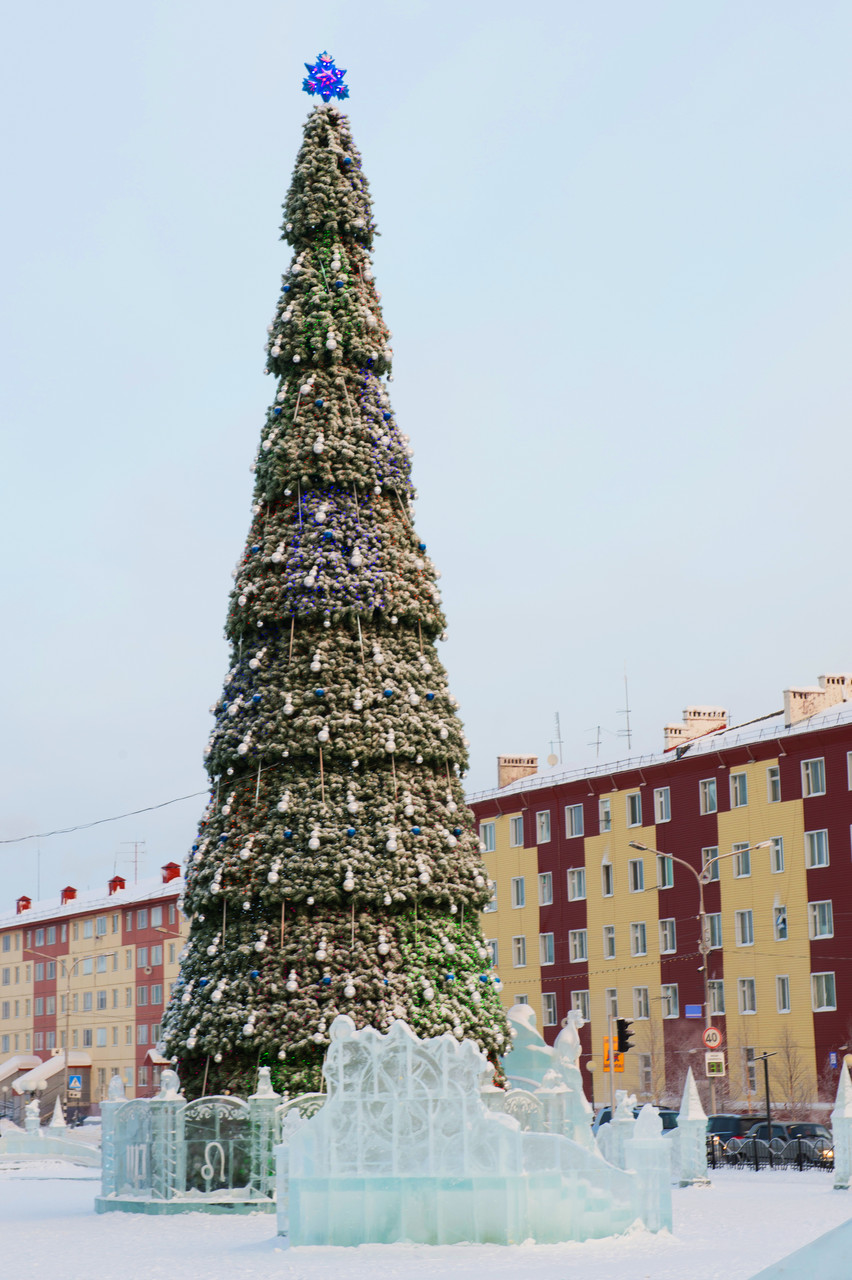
x: 336, y: 868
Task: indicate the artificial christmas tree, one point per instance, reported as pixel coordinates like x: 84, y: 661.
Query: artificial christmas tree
x: 336, y: 868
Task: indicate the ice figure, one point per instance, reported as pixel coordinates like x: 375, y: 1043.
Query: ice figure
x: 688, y: 1141
x: 405, y: 1148
x: 841, y: 1131
x: 613, y: 1137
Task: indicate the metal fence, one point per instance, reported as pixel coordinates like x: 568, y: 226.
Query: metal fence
x: 780, y: 1153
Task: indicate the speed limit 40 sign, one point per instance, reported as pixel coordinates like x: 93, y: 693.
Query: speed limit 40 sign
x: 712, y: 1038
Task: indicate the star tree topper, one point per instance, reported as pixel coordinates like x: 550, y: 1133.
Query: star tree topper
x: 325, y: 79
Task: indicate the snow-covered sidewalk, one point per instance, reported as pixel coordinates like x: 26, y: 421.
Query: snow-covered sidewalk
x: 728, y: 1231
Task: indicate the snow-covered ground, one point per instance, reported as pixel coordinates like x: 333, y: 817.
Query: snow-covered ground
x: 728, y: 1231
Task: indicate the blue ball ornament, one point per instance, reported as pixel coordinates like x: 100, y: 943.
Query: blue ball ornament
x: 255, y: 697
x: 255, y: 549
x: 430, y: 697
x: 350, y: 831
x: 451, y: 977
x: 255, y: 973
x: 415, y: 831
x: 326, y: 982
x: 320, y: 693
x: 287, y: 833
x: 388, y: 693
x: 286, y: 288
x: 457, y: 831
x: 277, y: 413
x: 483, y: 977
x: 319, y: 403
x: 386, y: 417
x: 421, y: 546
x: 202, y: 982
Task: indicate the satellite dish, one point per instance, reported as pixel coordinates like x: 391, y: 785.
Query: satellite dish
x: 552, y: 760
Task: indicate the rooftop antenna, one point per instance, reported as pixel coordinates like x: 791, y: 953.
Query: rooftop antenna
x: 136, y: 845
x: 553, y: 759
x: 625, y: 711
x: 596, y: 743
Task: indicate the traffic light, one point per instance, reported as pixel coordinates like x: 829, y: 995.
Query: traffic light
x: 624, y: 1033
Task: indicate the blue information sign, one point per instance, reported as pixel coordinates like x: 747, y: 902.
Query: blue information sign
x: 693, y: 1011
x: 75, y: 1082
x: 832, y: 1059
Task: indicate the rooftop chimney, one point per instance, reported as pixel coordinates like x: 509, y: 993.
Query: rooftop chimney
x: 23, y: 904
x: 68, y: 894
x: 116, y: 883
x: 696, y: 722
x: 171, y: 871
x: 807, y: 700
x: 512, y: 768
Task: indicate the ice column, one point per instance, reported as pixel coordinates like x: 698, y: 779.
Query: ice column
x: 649, y: 1155
x: 690, y: 1138
x: 116, y: 1098
x: 841, y: 1131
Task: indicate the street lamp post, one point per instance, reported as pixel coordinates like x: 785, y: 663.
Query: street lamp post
x: 702, y: 877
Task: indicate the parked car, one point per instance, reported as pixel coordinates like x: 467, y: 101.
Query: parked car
x: 806, y: 1129
x: 604, y: 1115
x: 779, y: 1130
x: 721, y: 1128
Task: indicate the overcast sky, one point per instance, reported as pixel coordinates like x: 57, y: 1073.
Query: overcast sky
x: 615, y: 258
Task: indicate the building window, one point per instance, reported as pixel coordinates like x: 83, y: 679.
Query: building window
x: 100, y: 964
x: 522, y: 999
x: 545, y: 888
x: 88, y: 928
x: 516, y: 832
x: 773, y: 784
x: 141, y: 997
x: 611, y: 1002
x: 519, y: 952
x: 493, y: 946
x: 820, y: 920
x: 542, y: 826
x: 87, y: 1001
x: 576, y: 884
x: 142, y: 957
x: 646, y: 1078
x: 662, y: 804
x: 548, y: 1008
x: 779, y: 923
x: 142, y: 918
x: 739, y: 790
x: 172, y: 945
x: 102, y: 999
x: 577, y: 947
x: 813, y: 777
x: 573, y: 820
x: 51, y: 969
x: 156, y: 917
x: 638, y: 938
x: 101, y: 1038
x: 142, y: 1077
x: 776, y: 853
x: 823, y: 994
x: 744, y: 926
x: 38, y: 1011
x: 142, y: 1033
x: 782, y: 993
x: 101, y: 926
x: 747, y: 995
x: 39, y: 973
x: 669, y: 1000
x: 668, y: 936
x: 128, y: 997
x: 87, y: 1038
x: 742, y: 860
x: 128, y: 1035
x: 39, y: 937
x: 716, y: 995
x: 491, y: 905
x: 665, y: 871
x: 816, y: 848
x: 710, y: 862
x: 88, y: 965
x: 605, y: 815
x: 487, y: 836
x: 641, y: 1003
x: 545, y: 949
x: 115, y: 919
x: 4, y: 1044
x: 634, y: 809
x: 636, y: 875
x: 38, y: 1040
x: 51, y: 935
x: 609, y: 941
x: 518, y: 891
x: 607, y: 887
x: 750, y: 1070
x: 156, y: 955
x: 581, y: 1004
x: 707, y: 802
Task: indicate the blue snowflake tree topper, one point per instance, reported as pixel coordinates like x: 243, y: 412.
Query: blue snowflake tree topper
x: 325, y: 79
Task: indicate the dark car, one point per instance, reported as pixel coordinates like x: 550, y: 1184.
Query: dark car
x: 808, y: 1130
x: 779, y: 1130
x: 721, y: 1128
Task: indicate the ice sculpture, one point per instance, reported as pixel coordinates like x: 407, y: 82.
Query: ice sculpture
x: 405, y: 1148
x: 841, y: 1132
x: 688, y: 1141
x: 614, y: 1136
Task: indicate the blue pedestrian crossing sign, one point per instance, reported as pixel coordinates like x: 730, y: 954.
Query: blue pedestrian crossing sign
x: 75, y: 1082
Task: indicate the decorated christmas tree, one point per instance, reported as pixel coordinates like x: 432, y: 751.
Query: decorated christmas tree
x: 336, y: 868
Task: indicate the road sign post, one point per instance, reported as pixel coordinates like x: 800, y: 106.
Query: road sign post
x: 714, y: 1064
x: 712, y: 1038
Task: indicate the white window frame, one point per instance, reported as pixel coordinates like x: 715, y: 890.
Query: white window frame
x: 493, y: 946
x: 605, y: 814
x: 744, y: 927
x: 669, y: 1000
x: 662, y: 805
x: 780, y: 923
x: 782, y: 993
x: 609, y: 942
x: 607, y: 880
x: 747, y: 996
x: 819, y: 847
x: 773, y: 784
x: 668, y: 936
x: 576, y: 884
x: 813, y: 777
x: 519, y: 892
x: 638, y: 938
x: 636, y: 875
x: 542, y: 826
x: 545, y: 888
x: 581, y: 1003
x: 548, y: 1009
x: 546, y: 952
x: 710, y: 854
x: 516, y: 832
x: 665, y: 871
x: 488, y: 836
x: 574, y: 824
x: 491, y: 905
x: 578, y: 946
x: 611, y: 1001
x: 738, y: 783
x: 742, y: 860
x: 716, y: 996
x: 827, y: 982
x: 641, y: 1004
x: 776, y: 855
x: 820, y: 913
x: 633, y: 808
x: 708, y: 796
x: 519, y: 951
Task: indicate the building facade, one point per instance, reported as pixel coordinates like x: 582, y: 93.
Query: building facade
x: 583, y: 919
x: 89, y: 974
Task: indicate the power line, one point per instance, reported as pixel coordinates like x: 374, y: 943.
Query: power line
x: 84, y: 826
